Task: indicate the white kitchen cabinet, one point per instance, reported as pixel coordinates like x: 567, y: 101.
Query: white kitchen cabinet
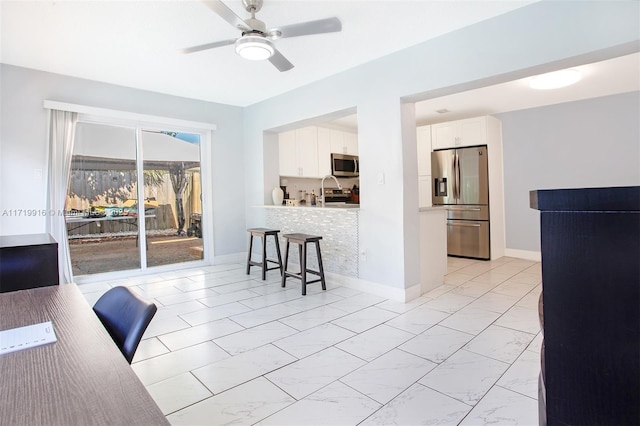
x: 288, y: 154
x: 306, y: 152
x: 423, y: 134
x: 324, y: 152
x: 307, y: 144
x: 351, y: 143
x: 424, y: 191
x: 343, y: 142
x: 453, y: 134
x: 298, y: 152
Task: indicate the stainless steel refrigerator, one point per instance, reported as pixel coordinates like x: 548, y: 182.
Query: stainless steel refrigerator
x: 461, y: 184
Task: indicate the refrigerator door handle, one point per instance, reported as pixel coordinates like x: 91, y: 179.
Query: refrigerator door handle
x: 454, y: 187
x: 458, y: 175
x: 471, y: 225
x: 461, y: 208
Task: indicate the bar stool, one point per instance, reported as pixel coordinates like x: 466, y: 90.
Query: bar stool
x: 302, y: 240
x: 263, y: 233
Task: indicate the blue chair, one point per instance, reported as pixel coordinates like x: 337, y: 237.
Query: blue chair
x: 125, y: 316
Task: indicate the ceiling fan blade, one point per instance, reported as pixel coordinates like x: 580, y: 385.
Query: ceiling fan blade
x: 227, y: 14
x: 329, y: 25
x: 280, y: 62
x: 207, y: 46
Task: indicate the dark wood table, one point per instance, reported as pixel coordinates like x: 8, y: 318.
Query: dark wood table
x: 82, y: 379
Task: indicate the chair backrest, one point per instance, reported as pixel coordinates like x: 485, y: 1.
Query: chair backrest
x: 125, y: 316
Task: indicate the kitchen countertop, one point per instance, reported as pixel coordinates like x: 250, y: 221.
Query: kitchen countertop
x: 328, y: 206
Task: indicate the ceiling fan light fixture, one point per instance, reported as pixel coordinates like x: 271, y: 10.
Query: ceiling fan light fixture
x: 555, y: 80
x: 254, y: 48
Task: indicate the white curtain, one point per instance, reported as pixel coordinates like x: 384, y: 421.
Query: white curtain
x: 62, y: 131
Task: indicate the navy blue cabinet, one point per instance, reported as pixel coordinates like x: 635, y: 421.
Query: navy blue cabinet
x: 28, y: 261
x: 590, y: 243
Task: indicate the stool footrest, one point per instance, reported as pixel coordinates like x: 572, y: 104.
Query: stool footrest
x: 299, y: 274
x: 259, y: 264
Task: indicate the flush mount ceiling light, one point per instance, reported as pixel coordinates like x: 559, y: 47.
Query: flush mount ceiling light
x: 254, y: 48
x: 555, y: 80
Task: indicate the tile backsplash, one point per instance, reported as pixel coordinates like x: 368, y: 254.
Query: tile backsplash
x: 295, y: 185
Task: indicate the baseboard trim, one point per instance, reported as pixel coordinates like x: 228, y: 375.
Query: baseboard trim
x: 397, y: 294
x: 230, y: 258
x: 524, y: 254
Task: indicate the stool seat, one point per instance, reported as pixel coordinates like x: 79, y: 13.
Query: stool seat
x: 302, y: 240
x: 263, y: 233
x: 259, y: 231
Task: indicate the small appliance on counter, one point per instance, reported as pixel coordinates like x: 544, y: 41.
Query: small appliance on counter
x: 355, y: 195
x: 335, y: 195
x: 283, y: 186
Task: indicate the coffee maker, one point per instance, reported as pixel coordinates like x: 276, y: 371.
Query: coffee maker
x: 283, y: 186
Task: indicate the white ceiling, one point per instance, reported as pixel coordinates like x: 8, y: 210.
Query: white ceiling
x: 613, y: 76
x: 136, y: 43
x: 618, y: 75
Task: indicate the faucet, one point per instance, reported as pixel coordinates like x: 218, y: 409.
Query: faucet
x: 322, y: 186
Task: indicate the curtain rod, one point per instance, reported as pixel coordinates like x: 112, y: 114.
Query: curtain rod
x: 126, y: 115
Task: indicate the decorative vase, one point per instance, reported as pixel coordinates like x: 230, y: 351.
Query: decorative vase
x: 278, y: 195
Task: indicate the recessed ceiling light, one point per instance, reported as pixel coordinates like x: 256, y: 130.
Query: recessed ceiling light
x: 555, y: 80
x: 442, y: 111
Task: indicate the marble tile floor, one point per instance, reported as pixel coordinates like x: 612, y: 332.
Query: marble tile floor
x: 229, y: 348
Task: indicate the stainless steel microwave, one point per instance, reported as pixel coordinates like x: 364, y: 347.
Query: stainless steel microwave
x: 343, y: 165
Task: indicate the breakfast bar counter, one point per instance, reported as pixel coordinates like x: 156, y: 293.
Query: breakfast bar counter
x: 337, y: 225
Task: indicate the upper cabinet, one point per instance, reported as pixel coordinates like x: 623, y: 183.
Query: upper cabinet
x: 298, y: 152
x: 288, y: 154
x: 306, y: 152
x: 453, y: 134
x: 324, y: 152
x: 343, y: 142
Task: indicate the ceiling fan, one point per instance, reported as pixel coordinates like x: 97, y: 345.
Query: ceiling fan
x: 256, y: 41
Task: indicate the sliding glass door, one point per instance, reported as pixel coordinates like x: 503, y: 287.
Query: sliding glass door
x: 106, y: 214
x: 173, y: 200
x: 103, y: 233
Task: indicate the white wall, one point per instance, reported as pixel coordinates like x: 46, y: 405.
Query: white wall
x: 23, y: 145
x: 539, y: 37
x: 591, y: 143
